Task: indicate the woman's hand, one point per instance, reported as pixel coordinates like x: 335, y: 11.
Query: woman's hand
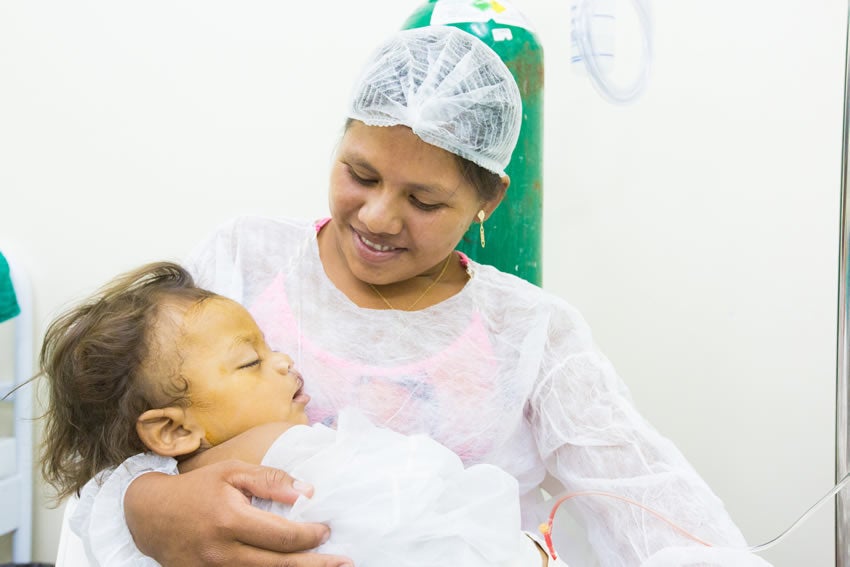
x: 205, y: 517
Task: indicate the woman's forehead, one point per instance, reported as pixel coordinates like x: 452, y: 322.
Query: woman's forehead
x: 397, y: 152
x: 390, y: 141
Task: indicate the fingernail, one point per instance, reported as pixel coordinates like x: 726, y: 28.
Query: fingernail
x: 304, y: 488
x: 325, y: 536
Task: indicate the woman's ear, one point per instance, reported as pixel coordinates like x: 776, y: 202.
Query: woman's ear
x: 506, y: 182
x: 169, y: 431
x: 492, y: 204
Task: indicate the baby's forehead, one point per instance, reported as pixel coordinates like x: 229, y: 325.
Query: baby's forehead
x: 217, y: 320
x: 180, y: 310
x: 171, y: 323
x: 173, y: 315
x: 169, y: 329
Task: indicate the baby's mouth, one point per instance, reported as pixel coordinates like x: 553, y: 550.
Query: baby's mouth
x: 299, y: 395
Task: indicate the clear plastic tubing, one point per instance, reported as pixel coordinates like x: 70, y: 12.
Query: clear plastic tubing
x: 836, y: 489
x: 592, y: 40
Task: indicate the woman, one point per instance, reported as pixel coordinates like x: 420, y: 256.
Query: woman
x: 377, y: 308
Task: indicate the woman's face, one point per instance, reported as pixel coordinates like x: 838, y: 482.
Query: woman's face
x: 399, y: 205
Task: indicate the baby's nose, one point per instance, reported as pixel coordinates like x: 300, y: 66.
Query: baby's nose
x: 283, y: 362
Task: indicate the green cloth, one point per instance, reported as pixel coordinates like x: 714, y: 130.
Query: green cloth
x: 8, y: 302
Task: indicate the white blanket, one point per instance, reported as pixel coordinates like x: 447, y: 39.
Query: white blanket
x: 391, y: 500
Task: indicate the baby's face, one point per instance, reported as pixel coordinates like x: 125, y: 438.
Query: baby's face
x: 235, y: 381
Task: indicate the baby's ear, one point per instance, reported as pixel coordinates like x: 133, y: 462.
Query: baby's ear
x: 169, y: 432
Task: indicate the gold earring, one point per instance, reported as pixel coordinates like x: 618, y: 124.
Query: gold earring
x: 481, y: 225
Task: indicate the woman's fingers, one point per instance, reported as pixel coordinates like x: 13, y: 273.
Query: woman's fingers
x: 266, y: 536
x: 205, y: 517
x: 266, y: 482
x: 265, y: 530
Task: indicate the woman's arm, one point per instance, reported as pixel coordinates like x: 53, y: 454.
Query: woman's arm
x: 592, y: 438
x: 205, y: 517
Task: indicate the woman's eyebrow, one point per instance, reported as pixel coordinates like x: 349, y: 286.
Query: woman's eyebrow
x: 433, y: 191
x: 359, y: 162
x: 433, y: 188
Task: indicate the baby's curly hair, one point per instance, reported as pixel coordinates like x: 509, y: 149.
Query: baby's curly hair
x: 103, y: 366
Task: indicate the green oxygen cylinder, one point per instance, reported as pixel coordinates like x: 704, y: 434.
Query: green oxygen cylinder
x: 514, y: 231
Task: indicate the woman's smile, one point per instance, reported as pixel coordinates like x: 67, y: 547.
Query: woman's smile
x: 375, y: 245
x: 372, y: 250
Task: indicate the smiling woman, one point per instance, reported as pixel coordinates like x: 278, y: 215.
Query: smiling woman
x: 695, y: 230
x: 492, y: 367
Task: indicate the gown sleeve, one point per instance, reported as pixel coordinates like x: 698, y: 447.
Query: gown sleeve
x: 99, y: 521
x: 592, y: 438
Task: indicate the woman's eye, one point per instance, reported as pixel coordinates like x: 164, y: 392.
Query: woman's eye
x: 251, y: 364
x: 361, y: 180
x: 424, y: 206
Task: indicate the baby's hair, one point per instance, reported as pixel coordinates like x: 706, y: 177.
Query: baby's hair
x: 104, y: 369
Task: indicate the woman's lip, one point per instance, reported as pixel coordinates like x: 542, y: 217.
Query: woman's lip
x: 375, y: 243
x: 368, y: 252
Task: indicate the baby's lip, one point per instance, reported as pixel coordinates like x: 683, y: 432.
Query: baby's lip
x: 299, y: 395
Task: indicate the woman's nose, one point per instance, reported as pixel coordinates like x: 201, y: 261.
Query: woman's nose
x: 381, y: 213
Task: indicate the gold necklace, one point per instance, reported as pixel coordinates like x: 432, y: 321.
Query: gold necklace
x: 424, y: 293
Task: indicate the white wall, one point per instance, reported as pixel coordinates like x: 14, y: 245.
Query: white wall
x: 697, y: 229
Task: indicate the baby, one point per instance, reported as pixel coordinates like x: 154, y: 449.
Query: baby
x: 180, y: 377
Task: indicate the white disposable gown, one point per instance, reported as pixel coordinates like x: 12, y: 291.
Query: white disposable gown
x: 501, y: 373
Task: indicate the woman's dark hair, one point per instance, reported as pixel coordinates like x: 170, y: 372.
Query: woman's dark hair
x: 98, y: 358
x: 487, y: 183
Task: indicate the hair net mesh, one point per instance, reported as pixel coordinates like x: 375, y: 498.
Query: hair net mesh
x: 449, y: 87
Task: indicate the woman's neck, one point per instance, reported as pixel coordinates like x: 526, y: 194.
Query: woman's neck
x: 426, y: 289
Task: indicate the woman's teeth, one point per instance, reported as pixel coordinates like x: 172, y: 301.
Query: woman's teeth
x: 375, y: 246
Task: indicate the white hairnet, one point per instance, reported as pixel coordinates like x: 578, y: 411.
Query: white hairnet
x: 447, y: 86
